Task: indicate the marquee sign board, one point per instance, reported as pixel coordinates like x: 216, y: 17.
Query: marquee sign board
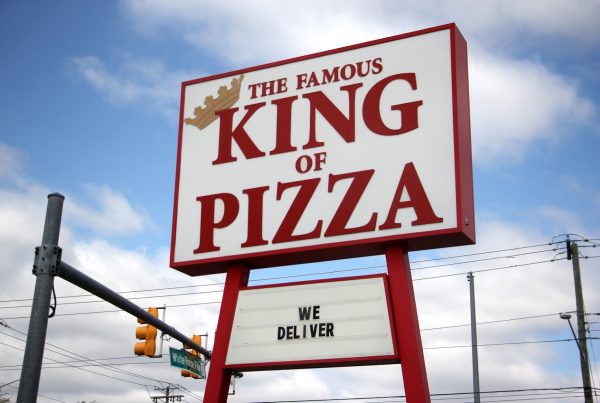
x: 326, y: 156
x: 322, y: 323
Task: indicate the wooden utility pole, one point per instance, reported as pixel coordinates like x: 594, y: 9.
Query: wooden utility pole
x: 167, y: 396
x: 573, y: 255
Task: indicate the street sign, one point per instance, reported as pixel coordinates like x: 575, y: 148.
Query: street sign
x: 184, y: 360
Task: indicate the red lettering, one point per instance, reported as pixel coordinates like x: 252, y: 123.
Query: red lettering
x: 301, y: 80
x: 227, y: 134
x: 283, y: 134
x: 418, y: 201
x: 255, y: 217
x: 342, y: 124
x: 306, y: 189
x: 377, y: 65
x: 208, y: 222
x: 409, y: 118
x: 331, y: 76
x: 357, y: 187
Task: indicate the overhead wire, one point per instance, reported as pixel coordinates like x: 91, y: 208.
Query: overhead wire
x: 40, y: 395
x: 512, y: 266
x: 322, y: 273
x: 524, y: 392
x: 354, y: 269
x: 72, y: 355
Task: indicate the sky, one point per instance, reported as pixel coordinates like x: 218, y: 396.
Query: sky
x: 89, y: 107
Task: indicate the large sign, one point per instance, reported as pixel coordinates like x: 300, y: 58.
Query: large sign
x: 326, y: 156
x: 327, y: 322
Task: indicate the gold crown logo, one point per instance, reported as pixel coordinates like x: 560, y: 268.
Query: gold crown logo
x: 226, y: 99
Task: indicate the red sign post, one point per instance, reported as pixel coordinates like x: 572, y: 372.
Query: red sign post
x: 353, y: 152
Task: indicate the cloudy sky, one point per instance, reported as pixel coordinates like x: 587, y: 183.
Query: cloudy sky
x: 89, y: 103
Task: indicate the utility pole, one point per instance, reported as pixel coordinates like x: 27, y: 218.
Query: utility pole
x: 45, y: 267
x: 476, y: 391
x: 573, y: 255
x: 167, y: 396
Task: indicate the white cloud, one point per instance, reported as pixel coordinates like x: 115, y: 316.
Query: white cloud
x: 12, y: 161
x: 142, y: 83
x: 515, y: 104
x: 111, y: 214
x: 269, y: 30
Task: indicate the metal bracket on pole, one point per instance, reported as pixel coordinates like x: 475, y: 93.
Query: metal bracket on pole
x: 47, y: 260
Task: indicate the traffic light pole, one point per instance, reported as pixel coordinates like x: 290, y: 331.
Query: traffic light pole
x: 45, y: 264
x: 81, y: 280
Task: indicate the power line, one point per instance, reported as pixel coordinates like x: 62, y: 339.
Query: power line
x: 330, y: 272
x: 490, y: 269
x: 86, y: 359
x: 102, y: 301
x: 502, y: 344
x: 445, y: 396
x: 67, y: 363
x: 492, y: 321
x: 40, y: 395
x: 316, y: 274
x: 483, y: 260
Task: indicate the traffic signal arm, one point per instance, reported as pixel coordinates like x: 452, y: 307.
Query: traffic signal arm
x: 74, y: 276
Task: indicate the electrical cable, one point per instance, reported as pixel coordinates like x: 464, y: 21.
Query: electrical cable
x: 321, y: 273
x: 40, y: 395
x: 512, y: 343
x: 491, y: 322
x: 315, y: 274
x: 85, y: 359
x: 445, y: 396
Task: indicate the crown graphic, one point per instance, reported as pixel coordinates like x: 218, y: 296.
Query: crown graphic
x: 204, y: 116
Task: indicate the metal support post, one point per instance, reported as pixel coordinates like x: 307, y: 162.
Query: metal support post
x: 406, y: 322
x: 45, y: 265
x: 475, y: 357
x: 219, y: 377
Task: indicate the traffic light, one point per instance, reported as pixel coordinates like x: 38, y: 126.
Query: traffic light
x: 148, y: 334
x: 198, y: 340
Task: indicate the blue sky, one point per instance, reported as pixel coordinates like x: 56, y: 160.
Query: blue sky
x: 89, y: 108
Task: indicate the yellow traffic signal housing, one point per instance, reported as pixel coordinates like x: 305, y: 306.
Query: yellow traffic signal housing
x: 147, y: 333
x: 198, y: 340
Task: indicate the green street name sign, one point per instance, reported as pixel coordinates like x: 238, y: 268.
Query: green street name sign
x: 185, y: 360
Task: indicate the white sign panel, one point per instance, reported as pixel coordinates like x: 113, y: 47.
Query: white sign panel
x: 324, y: 156
x: 333, y: 321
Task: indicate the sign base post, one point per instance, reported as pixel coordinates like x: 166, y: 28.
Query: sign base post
x: 219, y: 377
x: 406, y: 322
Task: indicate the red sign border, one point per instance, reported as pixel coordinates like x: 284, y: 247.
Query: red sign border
x: 334, y: 362
x: 462, y: 234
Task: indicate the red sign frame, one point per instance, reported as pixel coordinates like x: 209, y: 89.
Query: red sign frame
x: 463, y: 233
x: 405, y: 328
